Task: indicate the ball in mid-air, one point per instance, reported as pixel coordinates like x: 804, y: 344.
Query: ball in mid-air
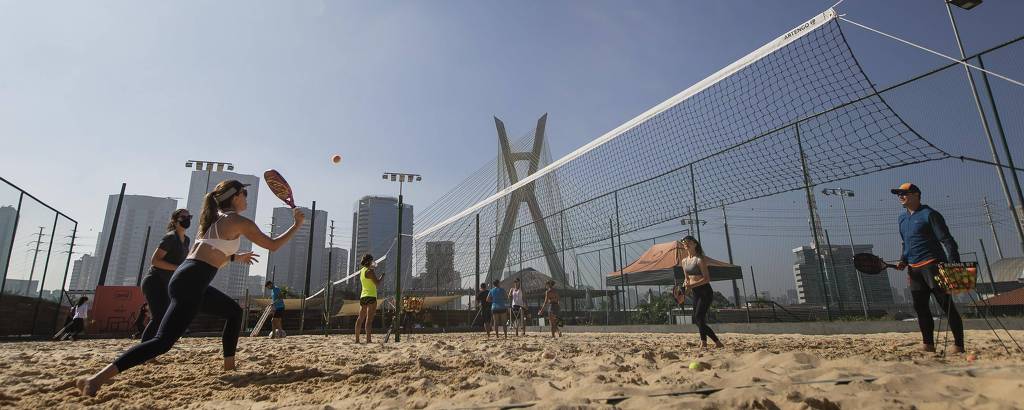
x: 336, y: 159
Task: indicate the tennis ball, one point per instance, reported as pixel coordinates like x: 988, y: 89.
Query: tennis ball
x: 336, y: 159
x: 694, y: 365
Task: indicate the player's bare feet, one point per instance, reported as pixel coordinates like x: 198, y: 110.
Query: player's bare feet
x: 86, y: 387
x: 229, y: 363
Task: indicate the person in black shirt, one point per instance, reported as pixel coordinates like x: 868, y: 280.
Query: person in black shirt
x: 485, y: 308
x: 168, y: 255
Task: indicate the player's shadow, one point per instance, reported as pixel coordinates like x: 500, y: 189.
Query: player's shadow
x: 278, y: 377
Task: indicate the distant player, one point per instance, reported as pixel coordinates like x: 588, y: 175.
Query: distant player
x: 277, y: 300
x: 367, y: 297
x: 485, y: 308
x: 499, y: 307
x: 551, y: 302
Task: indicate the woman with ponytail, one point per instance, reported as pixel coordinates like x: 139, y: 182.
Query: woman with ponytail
x: 221, y: 228
x: 168, y: 255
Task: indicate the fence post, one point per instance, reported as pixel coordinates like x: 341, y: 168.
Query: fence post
x: 814, y: 222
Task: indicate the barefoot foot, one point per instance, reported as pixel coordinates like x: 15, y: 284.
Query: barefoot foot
x: 86, y: 387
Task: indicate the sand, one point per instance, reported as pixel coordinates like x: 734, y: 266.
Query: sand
x: 577, y: 371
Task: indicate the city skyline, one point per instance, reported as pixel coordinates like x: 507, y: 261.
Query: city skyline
x: 591, y: 96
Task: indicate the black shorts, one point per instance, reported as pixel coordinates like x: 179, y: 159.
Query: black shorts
x: 278, y: 313
x: 367, y: 300
x: 499, y: 311
x: 485, y: 313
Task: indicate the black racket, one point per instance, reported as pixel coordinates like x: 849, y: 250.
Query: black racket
x: 870, y: 264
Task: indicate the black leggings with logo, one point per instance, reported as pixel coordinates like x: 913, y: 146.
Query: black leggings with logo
x: 190, y: 294
x: 702, y: 297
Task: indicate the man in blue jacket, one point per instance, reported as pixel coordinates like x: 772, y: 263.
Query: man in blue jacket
x: 924, y: 233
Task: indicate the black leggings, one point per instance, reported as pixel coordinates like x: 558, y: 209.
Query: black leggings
x: 154, y: 286
x: 702, y: 297
x: 190, y: 293
x: 924, y: 315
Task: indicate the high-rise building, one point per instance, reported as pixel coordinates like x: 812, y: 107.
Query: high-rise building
x: 792, y: 297
x: 335, y: 260
x: 374, y: 231
x: 254, y: 284
x: 288, y: 264
x: 8, y: 214
x: 440, y: 265
x: 82, y: 272
x: 842, y: 276
x: 230, y: 279
x: 138, y: 212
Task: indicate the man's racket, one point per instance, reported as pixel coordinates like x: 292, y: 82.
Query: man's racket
x: 870, y: 264
x: 279, y: 186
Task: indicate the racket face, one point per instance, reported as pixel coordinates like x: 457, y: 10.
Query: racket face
x: 868, y: 263
x: 279, y: 186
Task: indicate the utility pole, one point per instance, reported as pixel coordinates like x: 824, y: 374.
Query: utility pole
x: 329, y: 288
x: 992, y: 225
x: 31, y: 272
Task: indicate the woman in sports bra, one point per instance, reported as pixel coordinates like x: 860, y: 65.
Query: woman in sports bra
x: 220, y: 231
x: 695, y: 266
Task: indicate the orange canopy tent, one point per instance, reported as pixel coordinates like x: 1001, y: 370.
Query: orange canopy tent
x: 654, y: 268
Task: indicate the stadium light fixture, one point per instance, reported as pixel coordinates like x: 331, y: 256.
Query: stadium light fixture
x: 965, y: 4
x: 843, y: 194
x: 402, y: 178
x: 209, y: 165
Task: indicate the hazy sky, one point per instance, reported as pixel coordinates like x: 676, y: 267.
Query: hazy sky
x: 93, y: 94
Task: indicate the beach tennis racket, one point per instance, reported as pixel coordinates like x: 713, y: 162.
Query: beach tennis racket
x: 870, y: 264
x: 279, y: 186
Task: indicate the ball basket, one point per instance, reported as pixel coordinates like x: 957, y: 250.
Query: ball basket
x: 957, y: 278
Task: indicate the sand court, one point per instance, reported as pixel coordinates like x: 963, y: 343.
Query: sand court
x: 587, y: 370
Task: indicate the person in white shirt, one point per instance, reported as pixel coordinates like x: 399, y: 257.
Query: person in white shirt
x: 516, y: 295
x: 80, y: 312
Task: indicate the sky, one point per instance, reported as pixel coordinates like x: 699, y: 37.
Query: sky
x: 96, y: 94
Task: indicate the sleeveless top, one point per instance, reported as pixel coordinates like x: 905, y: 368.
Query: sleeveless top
x: 517, y: 297
x: 691, y: 266
x: 369, y: 289
x: 226, y: 246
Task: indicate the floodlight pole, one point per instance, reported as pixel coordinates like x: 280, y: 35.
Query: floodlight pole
x: 988, y: 134
x: 814, y: 222
x: 843, y: 193
x: 401, y: 178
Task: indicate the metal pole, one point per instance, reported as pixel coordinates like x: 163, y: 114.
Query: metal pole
x: 110, y: 238
x: 988, y: 134
x: 988, y: 267
x: 46, y: 266
x: 309, y: 268
x: 728, y: 248
x: 814, y: 220
x: 35, y: 256
x: 853, y: 251
x: 398, y: 270
x: 622, y: 260
x: 329, y: 287
x: 835, y: 273
x: 10, y: 246
x: 67, y: 264
x: 992, y: 225
x: 746, y: 303
x: 1002, y: 136
x: 615, y: 264
x: 693, y: 190
x: 477, y: 288
x: 142, y: 260
x: 757, y: 296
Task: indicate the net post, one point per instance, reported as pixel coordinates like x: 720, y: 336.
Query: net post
x: 622, y: 261
x: 1002, y: 137
x: 814, y: 220
x: 477, y: 252
x: 693, y: 191
x: 309, y: 268
x: 835, y: 275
